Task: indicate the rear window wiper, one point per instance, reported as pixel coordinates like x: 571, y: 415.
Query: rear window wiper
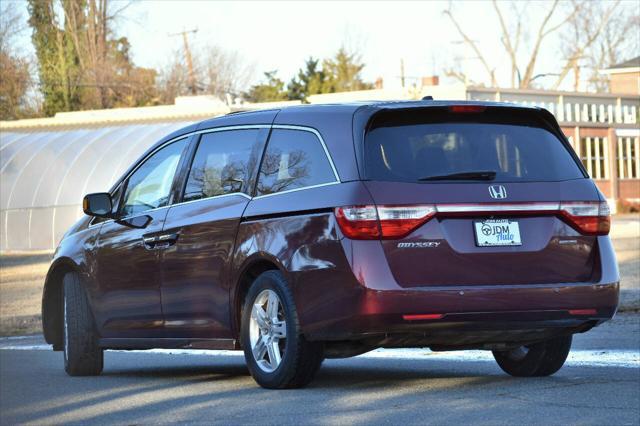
x: 476, y: 175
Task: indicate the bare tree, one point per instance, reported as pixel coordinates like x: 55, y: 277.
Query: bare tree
x: 586, y: 27
x: 173, y: 79
x: 217, y: 71
x: 474, y: 46
x: 225, y: 72
x: 614, y: 45
x: 601, y: 35
x: 579, y: 24
x: 90, y: 27
x: 511, y: 42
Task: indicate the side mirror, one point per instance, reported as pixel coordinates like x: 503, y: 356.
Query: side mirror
x: 98, y: 204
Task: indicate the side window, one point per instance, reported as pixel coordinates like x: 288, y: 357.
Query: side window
x: 149, y: 187
x: 294, y: 159
x: 225, y: 162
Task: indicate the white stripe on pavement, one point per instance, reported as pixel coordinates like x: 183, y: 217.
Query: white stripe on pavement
x: 579, y: 357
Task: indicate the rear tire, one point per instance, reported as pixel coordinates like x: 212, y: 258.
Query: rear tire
x: 82, y: 355
x: 540, y: 359
x: 277, y: 328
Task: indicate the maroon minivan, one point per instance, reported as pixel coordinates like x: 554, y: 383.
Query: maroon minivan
x: 326, y: 231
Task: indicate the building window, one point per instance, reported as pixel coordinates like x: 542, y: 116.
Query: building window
x: 628, y: 157
x: 594, y: 154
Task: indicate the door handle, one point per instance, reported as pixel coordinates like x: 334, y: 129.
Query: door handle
x: 149, y: 242
x: 168, y: 238
x: 159, y: 242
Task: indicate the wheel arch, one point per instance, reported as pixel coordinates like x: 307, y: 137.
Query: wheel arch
x: 251, y: 269
x: 52, y: 300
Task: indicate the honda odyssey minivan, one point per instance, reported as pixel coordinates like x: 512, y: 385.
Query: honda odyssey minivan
x: 327, y: 231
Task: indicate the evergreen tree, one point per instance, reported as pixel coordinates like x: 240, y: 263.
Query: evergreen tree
x: 58, y: 61
x: 343, y: 71
x: 271, y: 90
x: 309, y: 81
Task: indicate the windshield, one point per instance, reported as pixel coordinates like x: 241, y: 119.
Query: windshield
x: 467, y: 151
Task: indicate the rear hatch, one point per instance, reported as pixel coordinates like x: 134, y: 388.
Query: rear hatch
x: 475, y: 195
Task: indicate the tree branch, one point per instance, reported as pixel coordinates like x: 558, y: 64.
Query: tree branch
x: 506, y: 41
x: 578, y: 53
x: 473, y: 46
x: 526, y: 80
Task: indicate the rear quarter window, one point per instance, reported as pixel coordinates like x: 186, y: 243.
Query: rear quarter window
x: 517, y: 149
x: 294, y: 159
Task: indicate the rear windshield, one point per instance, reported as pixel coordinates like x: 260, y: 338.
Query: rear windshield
x: 413, y: 148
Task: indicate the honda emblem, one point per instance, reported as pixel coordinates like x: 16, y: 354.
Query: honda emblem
x: 498, y: 192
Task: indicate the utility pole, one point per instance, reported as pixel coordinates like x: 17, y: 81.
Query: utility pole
x: 187, y: 54
x: 402, y: 72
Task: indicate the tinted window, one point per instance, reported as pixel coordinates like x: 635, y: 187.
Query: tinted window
x: 294, y: 159
x: 515, y: 151
x: 224, y: 163
x: 149, y: 187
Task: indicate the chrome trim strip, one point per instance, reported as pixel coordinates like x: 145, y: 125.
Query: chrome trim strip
x: 242, y: 194
x: 469, y: 208
x: 296, y: 189
x: 225, y: 128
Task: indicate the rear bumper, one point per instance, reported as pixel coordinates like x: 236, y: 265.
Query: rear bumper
x: 511, y: 313
x: 374, y: 307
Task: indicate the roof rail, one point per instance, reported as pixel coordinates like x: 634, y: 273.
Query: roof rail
x: 239, y: 111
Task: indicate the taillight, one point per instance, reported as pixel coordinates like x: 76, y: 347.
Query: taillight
x: 591, y: 218
x: 373, y: 222
x: 393, y: 222
x: 358, y: 222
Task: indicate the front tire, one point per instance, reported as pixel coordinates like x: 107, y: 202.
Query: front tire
x: 540, y: 359
x: 277, y: 354
x: 82, y: 355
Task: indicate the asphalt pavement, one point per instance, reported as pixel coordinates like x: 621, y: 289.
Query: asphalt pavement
x: 600, y: 384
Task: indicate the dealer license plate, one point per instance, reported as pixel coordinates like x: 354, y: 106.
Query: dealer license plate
x: 497, y: 232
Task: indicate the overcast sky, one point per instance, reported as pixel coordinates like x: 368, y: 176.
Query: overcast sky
x: 280, y: 35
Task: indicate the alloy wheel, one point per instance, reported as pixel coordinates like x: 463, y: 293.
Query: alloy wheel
x: 268, y: 331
